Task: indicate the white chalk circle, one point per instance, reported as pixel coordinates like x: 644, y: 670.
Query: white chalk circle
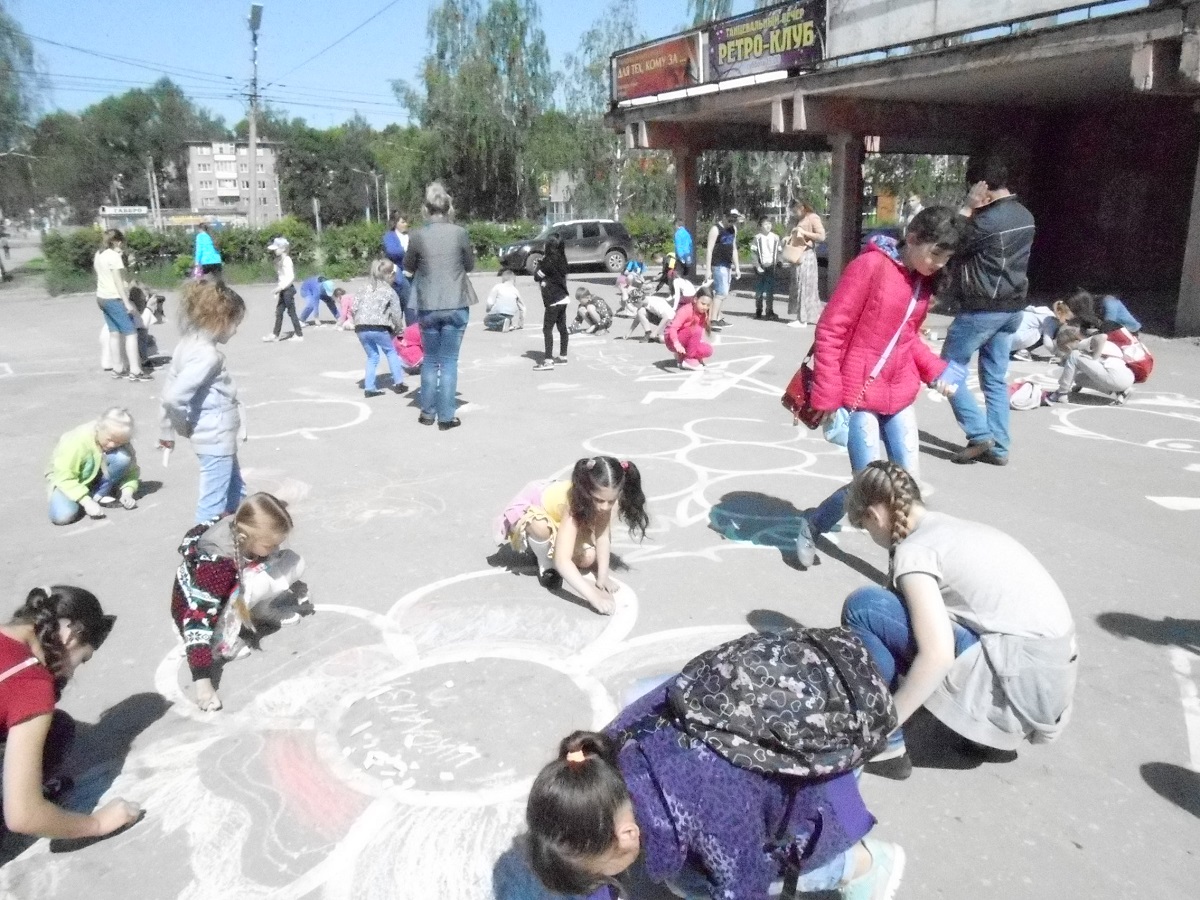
x: 357, y: 413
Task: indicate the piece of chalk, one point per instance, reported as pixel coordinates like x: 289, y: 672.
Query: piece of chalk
x: 360, y: 729
x: 446, y: 776
x: 408, y: 741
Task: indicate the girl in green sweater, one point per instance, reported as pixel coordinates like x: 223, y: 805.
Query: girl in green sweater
x: 93, y: 466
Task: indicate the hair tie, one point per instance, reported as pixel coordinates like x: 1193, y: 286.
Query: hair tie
x: 625, y: 465
x: 591, y: 464
x: 576, y: 757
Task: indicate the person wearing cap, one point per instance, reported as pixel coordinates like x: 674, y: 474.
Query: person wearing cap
x: 285, y: 290
x: 316, y: 290
x: 722, y: 261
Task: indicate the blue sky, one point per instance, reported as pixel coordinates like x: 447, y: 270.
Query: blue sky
x: 204, y: 45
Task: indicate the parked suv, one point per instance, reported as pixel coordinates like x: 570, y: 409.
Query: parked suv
x: 587, y: 242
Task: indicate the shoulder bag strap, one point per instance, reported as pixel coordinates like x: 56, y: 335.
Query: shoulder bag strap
x: 19, y: 667
x: 887, y: 351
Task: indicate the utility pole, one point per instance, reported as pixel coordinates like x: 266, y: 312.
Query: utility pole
x: 387, y: 198
x: 255, y: 21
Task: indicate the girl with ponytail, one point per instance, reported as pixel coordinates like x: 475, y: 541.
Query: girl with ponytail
x: 700, y: 824
x: 567, y: 525
x: 965, y: 598
x: 230, y: 565
x: 51, y: 635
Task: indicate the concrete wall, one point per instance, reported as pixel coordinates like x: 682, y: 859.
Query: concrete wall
x: 856, y: 26
x: 1111, y: 190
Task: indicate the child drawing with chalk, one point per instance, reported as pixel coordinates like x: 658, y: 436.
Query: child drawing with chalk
x: 231, y: 565
x: 199, y: 400
x: 567, y: 525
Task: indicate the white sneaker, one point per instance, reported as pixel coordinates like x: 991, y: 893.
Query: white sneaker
x: 797, y: 324
x: 270, y: 338
x: 296, y: 337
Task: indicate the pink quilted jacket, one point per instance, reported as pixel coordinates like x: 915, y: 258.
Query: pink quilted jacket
x: 864, y: 312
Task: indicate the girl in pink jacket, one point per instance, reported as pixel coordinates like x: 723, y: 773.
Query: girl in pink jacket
x: 869, y: 357
x: 687, y: 332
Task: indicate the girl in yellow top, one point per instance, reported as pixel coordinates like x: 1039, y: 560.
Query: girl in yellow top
x: 90, y: 463
x: 567, y: 525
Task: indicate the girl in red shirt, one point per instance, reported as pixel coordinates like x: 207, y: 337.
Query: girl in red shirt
x: 54, y: 632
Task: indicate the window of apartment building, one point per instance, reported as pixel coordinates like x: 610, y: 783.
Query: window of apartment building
x: 260, y: 151
x: 203, y: 167
x: 245, y: 185
x: 225, y: 166
x: 207, y: 201
x: 204, y: 151
x: 243, y: 167
x: 242, y: 151
x: 206, y: 185
x: 227, y: 183
x: 262, y: 185
x: 260, y: 168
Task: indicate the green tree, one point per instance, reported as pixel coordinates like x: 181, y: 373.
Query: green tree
x: 19, y: 85
x: 702, y: 11
x: 486, y: 80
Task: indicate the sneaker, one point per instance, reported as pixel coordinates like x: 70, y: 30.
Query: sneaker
x: 560, y: 360
x: 771, y: 317
x: 370, y: 394
x: 1021, y: 356
x: 296, y: 337
x: 797, y: 324
x: 1056, y: 397
x: 113, y: 373
x: 400, y: 388
x: 717, y: 326
x: 108, y: 500
x: 973, y: 451
x: 992, y: 458
x: 550, y: 578
x: 692, y: 364
x: 140, y: 376
x: 453, y: 423
x: 311, y: 323
x: 1119, y: 399
x: 892, y: 762
x: 806, y: 547
x: 270, y: 338
x: 423, y: 419
x: 882, y: 880
x: 237, y: 650
x: 721, y: 323
x: 544, y: 366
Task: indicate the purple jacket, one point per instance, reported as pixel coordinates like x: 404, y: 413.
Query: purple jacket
x: 690, y: 802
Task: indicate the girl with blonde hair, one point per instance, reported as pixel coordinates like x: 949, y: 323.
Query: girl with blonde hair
x: 89, y: 463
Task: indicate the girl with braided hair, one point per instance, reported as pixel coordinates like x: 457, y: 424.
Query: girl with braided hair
x: 973, y: 628
x: 567, y: 525
x: 230, y: 565
x: 704, y: 826
x: 51, y: 635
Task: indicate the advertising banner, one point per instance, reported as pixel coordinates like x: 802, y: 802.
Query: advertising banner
x: 788, y: 36
x: 660, y: 67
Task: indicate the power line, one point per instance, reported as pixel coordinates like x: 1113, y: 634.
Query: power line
x: 360, y: 25
x: 161, y: 68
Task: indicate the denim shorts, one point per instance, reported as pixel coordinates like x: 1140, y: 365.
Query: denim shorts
x: 720, y: 277
x: 116, y: 316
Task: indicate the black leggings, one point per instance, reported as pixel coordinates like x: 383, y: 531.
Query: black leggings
x: 287, y: 301
x: 556, y: 316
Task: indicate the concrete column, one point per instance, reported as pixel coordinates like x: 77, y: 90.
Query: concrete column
x: 1187, y: 313
x: 845, y: 203
x: 686, y: 190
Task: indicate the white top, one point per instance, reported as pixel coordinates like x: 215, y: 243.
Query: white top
x: 683, y: 289
x: 108, y: 265
x: 505, y: 299
x: 285, y: 270
x: 990, y: 583
x: 766, y: 247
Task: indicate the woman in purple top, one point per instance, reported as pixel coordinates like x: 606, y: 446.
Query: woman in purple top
x: 699, y: 823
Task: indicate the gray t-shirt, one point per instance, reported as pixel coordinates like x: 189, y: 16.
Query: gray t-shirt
x: 989, y: 582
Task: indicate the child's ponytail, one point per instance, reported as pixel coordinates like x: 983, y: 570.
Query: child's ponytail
x: 572, y: 811
x: 609, y: 472
x: 45, y: 608
x: 632, y: 500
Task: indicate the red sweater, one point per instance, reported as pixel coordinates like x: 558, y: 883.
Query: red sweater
x: 862, y: 315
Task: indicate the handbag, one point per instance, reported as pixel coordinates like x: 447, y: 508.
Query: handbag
x: 792, y: 252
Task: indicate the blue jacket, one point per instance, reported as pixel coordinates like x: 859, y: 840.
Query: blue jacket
x: 206, y: 254
x: 683, y: 245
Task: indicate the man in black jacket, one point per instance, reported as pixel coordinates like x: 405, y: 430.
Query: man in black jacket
x: 988, y: 280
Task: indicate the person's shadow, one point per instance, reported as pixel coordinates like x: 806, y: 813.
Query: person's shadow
x: 1165, y: 632
x: 1175, y: 783
x: 932, y: 445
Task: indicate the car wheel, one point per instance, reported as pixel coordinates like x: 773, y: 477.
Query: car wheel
x: 532, y: 261
x: 614, y: 261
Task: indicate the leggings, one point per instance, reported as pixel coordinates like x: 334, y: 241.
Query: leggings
x: 556, y: 317
x: 287, y: 301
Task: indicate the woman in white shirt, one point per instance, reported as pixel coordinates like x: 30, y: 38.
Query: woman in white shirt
x: 112, y: 296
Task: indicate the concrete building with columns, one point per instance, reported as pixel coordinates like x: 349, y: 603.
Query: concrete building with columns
x: 1096, y: 106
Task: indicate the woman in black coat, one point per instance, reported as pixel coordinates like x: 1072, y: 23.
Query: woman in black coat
x: 551, y: 274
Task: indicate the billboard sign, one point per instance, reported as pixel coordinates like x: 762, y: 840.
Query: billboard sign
x: 787, y: 36
x: 662, y: 66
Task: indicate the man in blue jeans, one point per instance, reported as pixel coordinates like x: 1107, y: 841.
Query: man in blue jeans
x: 988, y: 280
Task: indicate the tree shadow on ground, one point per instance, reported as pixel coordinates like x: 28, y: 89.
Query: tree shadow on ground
x: 97, y: 755
x: 1165, y: 632
x: 932, y: 445
x: 1175, y: 783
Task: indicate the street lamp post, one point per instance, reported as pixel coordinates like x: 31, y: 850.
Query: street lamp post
x: 256, y: 11
x: 375, y: 175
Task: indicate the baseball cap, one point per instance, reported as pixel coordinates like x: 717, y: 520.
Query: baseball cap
x: 279, y: 243
x: 733, y: 213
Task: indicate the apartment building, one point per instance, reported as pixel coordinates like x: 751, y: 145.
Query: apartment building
x: 222, y: 176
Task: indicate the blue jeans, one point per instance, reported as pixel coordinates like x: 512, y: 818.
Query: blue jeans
x: 379, y: 343
x: 441, y: 333
x: 721, y: 276
x: 404, y: 293
x: 64, y: 510
x: 1116, y: 311
x: 869, y: 433
x: 312, y: 306
x: 880, y: 618
x: 221, y: 486
x: 991, y: 334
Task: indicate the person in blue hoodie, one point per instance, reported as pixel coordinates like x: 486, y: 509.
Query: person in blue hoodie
x: 205, y: 254
x: 684, y: 250
x: 315, y: 291
x: 199, y: 399
x: 395, y: 245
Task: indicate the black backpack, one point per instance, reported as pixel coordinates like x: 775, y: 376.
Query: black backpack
x: 807, y: 702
